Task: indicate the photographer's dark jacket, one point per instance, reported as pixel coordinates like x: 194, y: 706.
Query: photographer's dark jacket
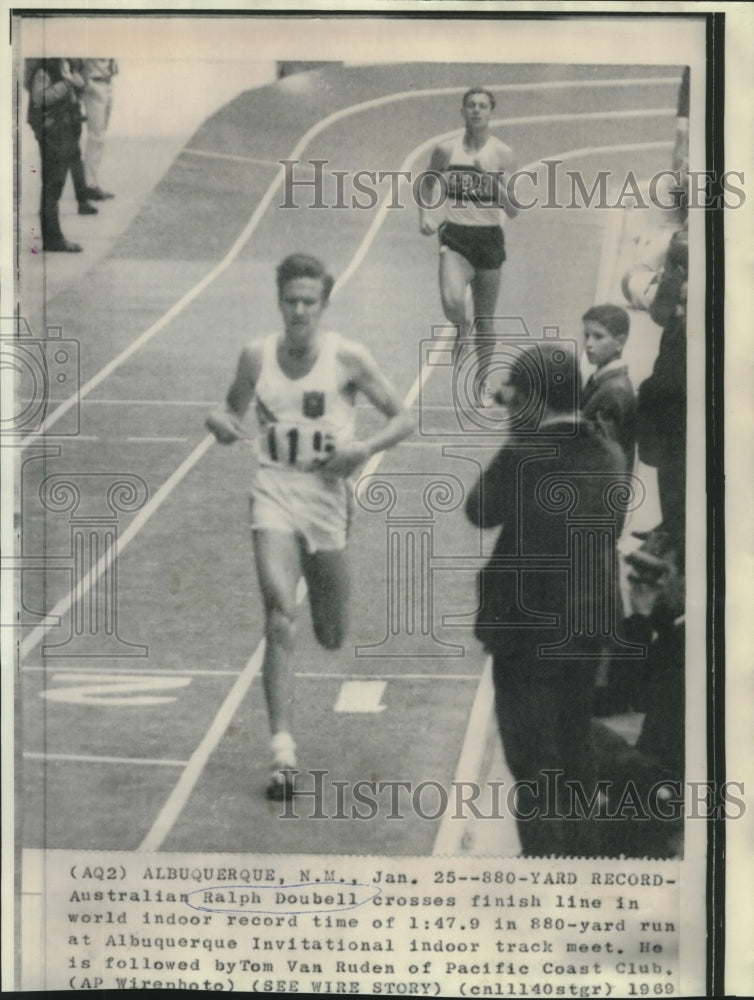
x: 54, y: 108
x: 547, y: 491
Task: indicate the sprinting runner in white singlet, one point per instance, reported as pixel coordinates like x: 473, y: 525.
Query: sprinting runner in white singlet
x: 305, y: 384
x: 301, y: 422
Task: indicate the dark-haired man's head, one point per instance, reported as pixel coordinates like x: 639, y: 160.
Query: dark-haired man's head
x: 543, y: 368
x: 301, y: 265
x: 472, y: 91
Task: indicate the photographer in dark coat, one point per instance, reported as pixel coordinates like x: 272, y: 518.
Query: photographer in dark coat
x: 545, y: 625
x: 55, y: 118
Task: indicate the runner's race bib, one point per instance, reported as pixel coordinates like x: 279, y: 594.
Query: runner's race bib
x: 296, y: 446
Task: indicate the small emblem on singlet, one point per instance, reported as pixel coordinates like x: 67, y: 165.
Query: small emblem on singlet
x: 314, y: 404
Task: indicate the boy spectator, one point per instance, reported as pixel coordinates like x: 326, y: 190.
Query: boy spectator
x: 607, y: 399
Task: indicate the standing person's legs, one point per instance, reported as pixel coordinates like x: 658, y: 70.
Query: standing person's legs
x: 55, y: 154
x: 581, y: 833
x: 456, y: 274
x: 278, y: 568
x: 77, y: 176
x: 526, y: 708
x: 671, y: 484
x: 79, y: 181
x: 98, y: 102
x: 543, y: 715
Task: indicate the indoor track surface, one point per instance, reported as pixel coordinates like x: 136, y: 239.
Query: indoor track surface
x: 143, y: 718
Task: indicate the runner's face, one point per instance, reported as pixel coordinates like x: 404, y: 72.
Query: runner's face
x: 599, y: 344
x: 477, y: 110
x: 301, y: 305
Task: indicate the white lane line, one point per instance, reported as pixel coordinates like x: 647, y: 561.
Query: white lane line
x: 110, y: 440
x: 150, y: 402
x: 90, y: 759
x: 84, y: 585
x: 155, y: 440
x: 256, y: 217
x: 609, y: 257
x: 440, y: 91
x: 106, y: 671
x: 179, y: 796
x: 470, y: 762
x: 313, y: 675
x: 429, y: 443
x: 207, y: 403
x: 193, y: 151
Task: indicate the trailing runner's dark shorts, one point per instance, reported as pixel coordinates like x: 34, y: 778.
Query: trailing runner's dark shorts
x: 482, y: 246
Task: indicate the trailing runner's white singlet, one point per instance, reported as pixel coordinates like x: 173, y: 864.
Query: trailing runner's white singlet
x: 471, y: 191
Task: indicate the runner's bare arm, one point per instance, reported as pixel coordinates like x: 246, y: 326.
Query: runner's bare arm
x: 506, y: 168
x: 428, y: 218
x: 225, y: 421
x: 366, y: 377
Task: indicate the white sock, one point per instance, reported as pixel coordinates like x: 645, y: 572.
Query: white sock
x: 283, y: 750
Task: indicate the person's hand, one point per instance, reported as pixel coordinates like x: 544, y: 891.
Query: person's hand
x: 65, y: 71
x: 224, y: 426
x: 644, y: 595
x: 344, y: 460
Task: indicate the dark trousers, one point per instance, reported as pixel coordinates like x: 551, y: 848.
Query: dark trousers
x: 671, y: 485
x: 544, y: 710
x: 59, y: 151
x: 77, y: 174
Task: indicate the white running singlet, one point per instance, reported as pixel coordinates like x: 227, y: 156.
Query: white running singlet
x: 471, y: 191
x: 301, y: 420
